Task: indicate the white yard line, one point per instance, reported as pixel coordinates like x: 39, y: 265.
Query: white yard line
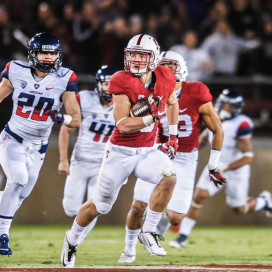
x: 155, y: 268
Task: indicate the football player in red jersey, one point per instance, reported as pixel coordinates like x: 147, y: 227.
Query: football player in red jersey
x: 130, y: 148
x: 195, y: 106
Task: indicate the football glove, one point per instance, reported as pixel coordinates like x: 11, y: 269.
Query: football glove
x: 56, y: 116
x: 157, y: 108
x: 170, y: 147
x: 216, y: 177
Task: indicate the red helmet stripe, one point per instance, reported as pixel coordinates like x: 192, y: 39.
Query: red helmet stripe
x: 164, y: 54
x: 140, y: 38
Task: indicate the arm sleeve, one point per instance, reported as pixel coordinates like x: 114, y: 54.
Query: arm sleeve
x: 5, y: 72
x: 72, y: 83
x: 244, y: 130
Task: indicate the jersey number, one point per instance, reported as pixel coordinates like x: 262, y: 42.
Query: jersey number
x: 107, y: 129
x: 40, y: 111
x: 185, y: 126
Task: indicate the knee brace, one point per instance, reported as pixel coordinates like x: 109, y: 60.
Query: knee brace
x: 68, y: 208
x: 102, y: 207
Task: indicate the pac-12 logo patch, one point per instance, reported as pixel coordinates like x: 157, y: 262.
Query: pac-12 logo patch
x: 36, y: 86
x: 7, y: 137
x: 23, y: 84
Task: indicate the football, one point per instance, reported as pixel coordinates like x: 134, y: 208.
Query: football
x: 140, y: 108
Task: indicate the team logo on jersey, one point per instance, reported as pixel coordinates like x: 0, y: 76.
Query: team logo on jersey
x: 140, y: 96
x: 36, y: 86
x: 106, y: 115
x: 94, y: 115
x: 180, y: 111
x: 7, y: 137
x: 23, y: 84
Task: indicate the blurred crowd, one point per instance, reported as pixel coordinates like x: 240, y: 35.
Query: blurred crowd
x: 216, y: 37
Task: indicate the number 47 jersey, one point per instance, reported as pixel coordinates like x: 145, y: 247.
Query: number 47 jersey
x: 34, y: 97
x: 95, y: 129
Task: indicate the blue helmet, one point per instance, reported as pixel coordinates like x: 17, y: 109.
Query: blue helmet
x: 44, y: 42
x: 104, y: 74
x: 232, y: 98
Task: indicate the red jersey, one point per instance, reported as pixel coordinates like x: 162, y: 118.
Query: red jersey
x: 193, y: 95
x: 124, y: 82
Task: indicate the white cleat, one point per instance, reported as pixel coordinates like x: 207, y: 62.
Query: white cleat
x: 150, y: 241
x: 175, y: 244
x: 181, y: 241
x: 268, y: 198
x: 127, y: 257
x: 68, y: 254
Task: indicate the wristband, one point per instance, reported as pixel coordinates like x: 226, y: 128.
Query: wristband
x: 173, y: 129
x: 120, y: 121
x: 148, y: 120
x: 214, y: 159
x: 248, y: 154
x: 67, y: 119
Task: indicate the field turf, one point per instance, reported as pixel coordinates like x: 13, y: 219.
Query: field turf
x: 40, y: 246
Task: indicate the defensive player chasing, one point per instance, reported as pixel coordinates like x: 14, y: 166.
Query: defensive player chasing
x: 95, y: 129
x: 38, y: 87
x: 235, y: 162
x: 195, y: 106
x: 130, y: 147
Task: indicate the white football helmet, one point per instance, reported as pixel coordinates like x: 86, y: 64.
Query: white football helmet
x: 181, y: 69
x: 142, y: 43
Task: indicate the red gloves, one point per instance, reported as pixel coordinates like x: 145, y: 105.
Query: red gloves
x: 216, y: 177
x: 157, y: 108
x: 170, y: 148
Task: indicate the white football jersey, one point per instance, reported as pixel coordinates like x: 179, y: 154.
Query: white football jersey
x: 32, y: 99
x: 240, y: 126
x: 96, y: 127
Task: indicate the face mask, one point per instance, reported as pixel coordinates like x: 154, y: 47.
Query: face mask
x: 224, y: 115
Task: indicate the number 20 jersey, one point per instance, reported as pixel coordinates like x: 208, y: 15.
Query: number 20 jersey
x: 32, y: 99
x: 95, y: 129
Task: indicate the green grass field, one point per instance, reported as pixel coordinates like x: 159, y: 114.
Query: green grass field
x: 40, y: 246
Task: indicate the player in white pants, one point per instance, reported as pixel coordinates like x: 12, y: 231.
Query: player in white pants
x: 195, y: 106
x: 235, y: 162
x: 95, y: 129
x: 130, y: 147
x: 39, y: 89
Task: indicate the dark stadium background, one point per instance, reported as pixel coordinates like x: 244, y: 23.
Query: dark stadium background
x: 109, y: 26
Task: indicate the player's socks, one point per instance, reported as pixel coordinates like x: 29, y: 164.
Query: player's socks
x: 5, y: 225
x: 163, y: 225
x: 151, y: 221
x: 87, y: 230
x: 131, y: 240
x: 73, y: 236
x: 186, y: 226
